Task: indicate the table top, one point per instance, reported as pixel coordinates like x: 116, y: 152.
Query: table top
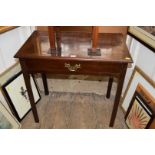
x: 74, y: 46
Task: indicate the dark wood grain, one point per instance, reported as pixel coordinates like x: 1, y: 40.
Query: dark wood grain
x: 29, y: 90
x: 75, y: 47
x: 44, y: 79
x: 118, y: 94
x: 109, y: 87
x: 73, y: 58
x: 87, y: 67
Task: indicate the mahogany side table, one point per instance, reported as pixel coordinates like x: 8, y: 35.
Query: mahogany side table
x: 35, y: 56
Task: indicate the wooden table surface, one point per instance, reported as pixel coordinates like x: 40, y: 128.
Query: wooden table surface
x: 75, y: 46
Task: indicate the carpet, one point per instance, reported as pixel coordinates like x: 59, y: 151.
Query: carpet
x: 65, y: 110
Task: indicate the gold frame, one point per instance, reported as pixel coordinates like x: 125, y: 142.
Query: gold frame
x: 139, y: 114
x: 146, y: 77
x: 142, y: 35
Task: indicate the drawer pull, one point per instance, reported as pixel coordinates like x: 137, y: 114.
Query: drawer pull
x: 72, y: 68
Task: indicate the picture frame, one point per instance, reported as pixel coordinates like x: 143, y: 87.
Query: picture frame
x: 137, y: 77
x: 16, y: 94
x: 144, y: 34
x: 139, y: 114
x: 148, y: 31
x: 7, y: 120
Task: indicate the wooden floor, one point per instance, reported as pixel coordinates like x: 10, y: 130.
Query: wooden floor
x: 74, y: 111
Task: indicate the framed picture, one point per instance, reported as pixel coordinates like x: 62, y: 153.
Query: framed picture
x: 149, y: 30
x: 139, y: 115
x: 138, y: 77
x: 17, y: 95
x: 144, y: 34
x: 7, y: 120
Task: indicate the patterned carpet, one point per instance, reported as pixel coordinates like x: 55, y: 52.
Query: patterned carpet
x: 62, y: 110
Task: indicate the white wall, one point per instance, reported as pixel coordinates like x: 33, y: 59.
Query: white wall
x: 10, y: 42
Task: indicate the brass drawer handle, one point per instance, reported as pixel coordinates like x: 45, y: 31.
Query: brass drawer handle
x: 72, y: 68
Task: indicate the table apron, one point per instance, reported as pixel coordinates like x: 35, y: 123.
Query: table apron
x: 74, y: 67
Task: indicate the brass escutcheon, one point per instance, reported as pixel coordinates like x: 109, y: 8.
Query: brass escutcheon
x: 72, y: 68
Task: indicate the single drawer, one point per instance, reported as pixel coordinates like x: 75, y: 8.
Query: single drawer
x: 73, y: 66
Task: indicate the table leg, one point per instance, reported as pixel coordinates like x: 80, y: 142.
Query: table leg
x: 118, y: 95
x: 31, y: 97
x: 44, y: 78
x: 109, y: 87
